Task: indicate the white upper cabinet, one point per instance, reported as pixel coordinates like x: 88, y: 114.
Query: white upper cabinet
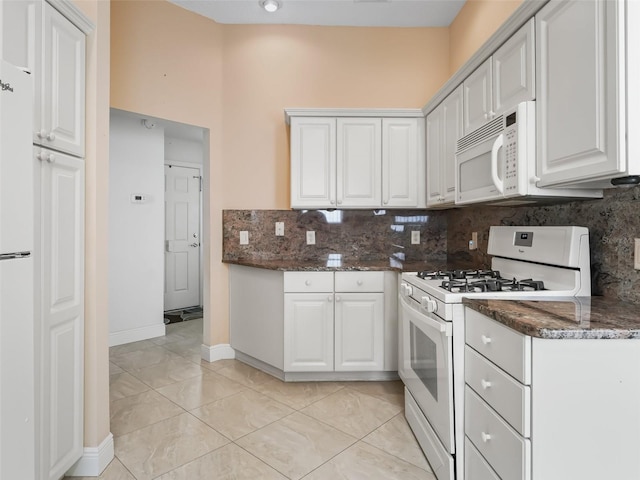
x: 403, y: 168
x: 357, y: 161
x: 59, y: 120
x: 359, y: 164
x: 477, y: 97
x: 502, y: 81
x: 580, y: 107
x: 36, y: 37
x: 513, y: 70
x: 313, y: 162
x: 444, y: 128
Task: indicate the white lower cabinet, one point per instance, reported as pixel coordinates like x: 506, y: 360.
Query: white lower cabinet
x: 547, y: 409
x: 59, y: 298
x: 308, y: 330
x: 341, y: 328
x: 359, y: 331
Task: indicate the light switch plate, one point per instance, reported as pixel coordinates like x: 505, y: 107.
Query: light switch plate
x: 473, y: 243
x: 636, y: 256
x: 415, y: 237
x: 244, y: 237
x: 311, y: 237
x: 279, y: 229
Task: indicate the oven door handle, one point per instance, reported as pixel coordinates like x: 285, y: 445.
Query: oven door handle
x: 442, y: 327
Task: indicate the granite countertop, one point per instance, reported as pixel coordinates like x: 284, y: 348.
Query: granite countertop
x: 565, y: 317
x: 336, y: 264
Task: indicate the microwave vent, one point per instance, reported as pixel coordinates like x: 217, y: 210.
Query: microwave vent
x: 480, y: 134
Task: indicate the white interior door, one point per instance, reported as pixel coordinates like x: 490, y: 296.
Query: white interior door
x: 182, y: 237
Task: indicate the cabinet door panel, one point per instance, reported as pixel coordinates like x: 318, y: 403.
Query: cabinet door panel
x: 451, y: 132
x: 313, y: 162
x: 308, y: 332
x: 513, y: 70
x: 62, y: 308
x: 62, y: 120
x: 435, y: 159
x: 359, y: 162
x: 477, y: 97
x: 578, y: 83
x: 402, y: 162
x: 359, y: 337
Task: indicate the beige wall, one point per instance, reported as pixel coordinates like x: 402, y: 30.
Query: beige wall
x: 96, y: 325
x: 237, y: 80
x: 268, y: 68
x: 474, y: 24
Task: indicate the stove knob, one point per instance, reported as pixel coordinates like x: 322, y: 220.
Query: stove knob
x: 429, y: 304
x: 406, y: 289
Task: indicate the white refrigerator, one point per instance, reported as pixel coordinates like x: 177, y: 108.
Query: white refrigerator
x: 17, y: 373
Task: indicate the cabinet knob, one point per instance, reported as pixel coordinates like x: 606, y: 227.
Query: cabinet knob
x: 51, y: 136
x: 51, y: 158
x: 359, y: 282
x: 330, y: 298
x: 485, y: 384
x: 339, y: 202
x: 41, y: 134
x: 386, y: 202
x: 307, y: 282
x: 485, y: 437
x: 41, y: 156
x: 486, y: 340
x: 337, y: 298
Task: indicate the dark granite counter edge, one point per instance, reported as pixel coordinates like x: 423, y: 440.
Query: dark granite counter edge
x: 540, y: 326
x: 392, y: 265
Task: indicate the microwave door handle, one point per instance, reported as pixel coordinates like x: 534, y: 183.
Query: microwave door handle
x: 497, y: 145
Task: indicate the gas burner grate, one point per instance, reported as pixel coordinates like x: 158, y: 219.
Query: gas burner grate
x: 451, y: 275
x: 492, y: 285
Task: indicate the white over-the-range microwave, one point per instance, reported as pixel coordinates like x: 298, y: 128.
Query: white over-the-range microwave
x: 496, y: 163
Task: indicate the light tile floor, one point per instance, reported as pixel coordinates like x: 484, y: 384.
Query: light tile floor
x: 176, y: 417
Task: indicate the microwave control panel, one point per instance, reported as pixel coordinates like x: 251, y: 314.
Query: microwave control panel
x: 511, y: 154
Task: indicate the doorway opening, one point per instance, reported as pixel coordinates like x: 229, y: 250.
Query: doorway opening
x: 158, y: 182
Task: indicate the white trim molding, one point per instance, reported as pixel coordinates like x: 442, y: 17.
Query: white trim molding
x: 212, y: 353
x: 94, y: 460
x: 136, y: 334
x: 74, y: 14
x: 352, y: 112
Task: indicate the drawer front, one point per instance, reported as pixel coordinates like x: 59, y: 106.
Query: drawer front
x: 476, y: 467
x: 508, y: 349
x: 507, y: 452
x: 308, y: 282
x: 509, y: 398
x: 359, y: 281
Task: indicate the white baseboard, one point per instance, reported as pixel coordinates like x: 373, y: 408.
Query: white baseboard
x: 94, y: 460
x: 136, y: 334
x: 212, y: 353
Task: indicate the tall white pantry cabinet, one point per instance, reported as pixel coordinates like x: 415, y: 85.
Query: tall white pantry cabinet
x: 39, y: 38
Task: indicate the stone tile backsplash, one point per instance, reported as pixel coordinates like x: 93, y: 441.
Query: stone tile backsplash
x: 613, y: 224
x: 357, y: 235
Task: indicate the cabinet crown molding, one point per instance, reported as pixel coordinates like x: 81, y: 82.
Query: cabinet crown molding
x: 352, y: 112
x: 73, y: 14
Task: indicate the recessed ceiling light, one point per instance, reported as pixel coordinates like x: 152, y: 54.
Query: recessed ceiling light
x: 270, y: 5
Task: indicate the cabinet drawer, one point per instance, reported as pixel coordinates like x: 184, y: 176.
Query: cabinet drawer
x: 507, y: 452
x: 308, y: 282
x: 359, y: 281
x: 509, y: 398
x: 476, y: 467
x: 508, y: 349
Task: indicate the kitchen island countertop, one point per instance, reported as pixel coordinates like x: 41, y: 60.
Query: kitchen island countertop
x: 565, y: 317
x: 336, y: 264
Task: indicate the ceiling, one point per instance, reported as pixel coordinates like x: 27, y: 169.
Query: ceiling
x: 359, y: 13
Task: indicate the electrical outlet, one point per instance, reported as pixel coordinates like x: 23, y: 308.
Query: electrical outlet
x: 311, y: 237
x: 473, y: 243
x: 279, y: 229
x: 244, y: 237
x: 415, y: 237
x: 636, y: 256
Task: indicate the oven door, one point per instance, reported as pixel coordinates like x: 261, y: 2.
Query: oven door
x: 426, y: 366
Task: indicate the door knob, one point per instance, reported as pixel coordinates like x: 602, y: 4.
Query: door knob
x: 194, y: 245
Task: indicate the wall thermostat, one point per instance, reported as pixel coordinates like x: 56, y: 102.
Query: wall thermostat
x: 138, y: 198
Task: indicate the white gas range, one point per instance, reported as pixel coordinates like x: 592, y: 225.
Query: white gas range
x: 528, y: 262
